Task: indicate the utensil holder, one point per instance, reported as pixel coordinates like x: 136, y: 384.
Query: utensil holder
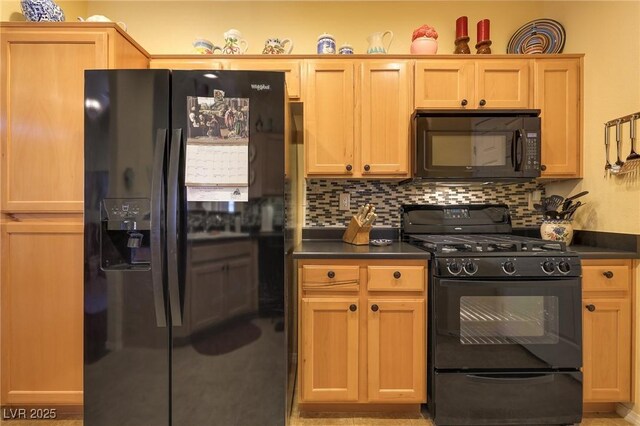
x: 356, y: 233
x: 557, y: 230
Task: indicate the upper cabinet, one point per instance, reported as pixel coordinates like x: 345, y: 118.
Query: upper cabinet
x: 557, y: 95
x: 329, y: 118
x: 473, y: 83
x: 357, y: 125
x: 42, y: 104
x: 290, y: 67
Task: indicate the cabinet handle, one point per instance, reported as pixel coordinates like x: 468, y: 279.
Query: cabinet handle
x: 608, y: 274
x: 464, y: 102
x: 374, y: 308
x: 590, y: 308
x: 397, y: 274
x: 349, y: 167
x: 543, y: 167
x: 331, y: 274
x: 367, y: 167
x: 483, y: 102
x: 353, y: 308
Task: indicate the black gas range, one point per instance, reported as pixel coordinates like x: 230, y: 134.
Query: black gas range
x: 505, y: 324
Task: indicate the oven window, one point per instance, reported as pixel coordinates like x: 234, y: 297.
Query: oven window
x: 473, y: 149
x: 504, y: 320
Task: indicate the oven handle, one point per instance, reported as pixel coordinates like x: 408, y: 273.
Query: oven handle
x: 516, y: 283
x: 511, y: 378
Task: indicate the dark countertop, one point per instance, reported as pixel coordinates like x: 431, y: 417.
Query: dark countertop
x: 590, y: 252
x: 336, y: 249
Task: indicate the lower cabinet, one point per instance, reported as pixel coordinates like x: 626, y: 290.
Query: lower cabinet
x: 606, y: 323
x: 362, y: 331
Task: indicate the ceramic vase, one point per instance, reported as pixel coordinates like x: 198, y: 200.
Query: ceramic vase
x: 424, y: 46
x: 557, y: 230
x: 41, y: 11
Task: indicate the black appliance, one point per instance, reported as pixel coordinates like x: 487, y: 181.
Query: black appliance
x: 490, y: 145
x: 176, y: 328
x: 505, y: 324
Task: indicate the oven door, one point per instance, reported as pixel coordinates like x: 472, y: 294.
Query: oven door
x: 515, y: 324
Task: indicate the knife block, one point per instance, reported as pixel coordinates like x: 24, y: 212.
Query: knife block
x: 356, y: 233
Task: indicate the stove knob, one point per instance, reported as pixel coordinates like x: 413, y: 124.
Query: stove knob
x: 548, y: 267
x: 509, y: 267
x: 454, y: 268
x: 470, y: 268
x: 564, y: 267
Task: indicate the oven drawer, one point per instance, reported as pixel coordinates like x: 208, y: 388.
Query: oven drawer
x: 330, y: 277
x: 395, y: 278
x: 508, y: 398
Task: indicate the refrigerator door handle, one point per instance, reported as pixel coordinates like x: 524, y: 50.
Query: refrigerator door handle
x: 173, y: 216
x: 157, y: 243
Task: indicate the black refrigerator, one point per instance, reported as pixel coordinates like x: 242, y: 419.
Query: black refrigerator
x: 189, y: 225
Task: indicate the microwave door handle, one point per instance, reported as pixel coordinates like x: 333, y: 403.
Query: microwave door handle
x: 514, y: 141
x: 520, y: 150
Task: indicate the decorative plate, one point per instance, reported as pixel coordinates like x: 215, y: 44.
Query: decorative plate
x: 380, y: 242
x: 538, y: 36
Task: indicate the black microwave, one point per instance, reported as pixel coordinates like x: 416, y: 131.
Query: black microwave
x: 490, y: 145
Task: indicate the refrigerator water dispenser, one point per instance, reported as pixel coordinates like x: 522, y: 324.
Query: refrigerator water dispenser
x: 124, y: 234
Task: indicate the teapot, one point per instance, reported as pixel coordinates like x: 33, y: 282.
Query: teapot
x: 375, y: 41
x: 275, y: 46
x: 233, y: 43
x: 102, y: 18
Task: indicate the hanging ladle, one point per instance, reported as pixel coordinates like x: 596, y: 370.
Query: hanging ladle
x: 607, y: 166
x: 633, y: 160
x: 615, y: 168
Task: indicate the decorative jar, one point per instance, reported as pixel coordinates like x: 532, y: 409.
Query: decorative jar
x: 557, y: 230
x: 41, y: 11
x: 424, y: 46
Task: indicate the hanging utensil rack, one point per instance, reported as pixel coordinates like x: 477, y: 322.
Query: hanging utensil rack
x: 632, y: 162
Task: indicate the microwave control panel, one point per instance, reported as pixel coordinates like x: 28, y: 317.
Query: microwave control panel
x: 531, y: 152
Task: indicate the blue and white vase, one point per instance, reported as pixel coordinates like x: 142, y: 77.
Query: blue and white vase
x: 326, y: 44
x: 345, y: 49
x: 41, y: 11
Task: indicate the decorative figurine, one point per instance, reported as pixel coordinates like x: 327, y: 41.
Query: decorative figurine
x: 424, y: 41
x: 484, y: 40
x: 462, y: 36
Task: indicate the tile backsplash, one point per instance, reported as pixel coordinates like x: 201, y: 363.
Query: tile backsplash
x: 322, y: 198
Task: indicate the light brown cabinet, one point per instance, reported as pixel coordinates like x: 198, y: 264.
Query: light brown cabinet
x: 607, y: 330
x: 329, y: 338
x: 472, y: 83
x: 557, y: 95
x: 41, y: 204
x: 290, y: 67
x: 357, y: 125
x: 363, y: 338
x: 395, y: 332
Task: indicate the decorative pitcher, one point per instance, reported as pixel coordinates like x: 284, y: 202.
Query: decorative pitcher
x: 375, y: 41
x: 275, y: 46
x: 234, y: 44
x: 202, y: 46
x: 41, y: 11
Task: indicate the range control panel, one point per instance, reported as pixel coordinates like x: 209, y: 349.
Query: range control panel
x: 537, y: 266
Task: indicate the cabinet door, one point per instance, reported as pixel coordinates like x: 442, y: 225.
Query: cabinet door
x: 329, y: 355
x: 444, y: 84
x: 41, y: 313
x: 502, y: 83
x: 207, y: 299
x: 185, y: 63
x: 240, y: 287
x: 290, y: 68
x: 607, y: 350
x: 329, y: 115
x: 385, y: 94
x: 557, y: 95
x: 396, y: 350
x: 42, y: 111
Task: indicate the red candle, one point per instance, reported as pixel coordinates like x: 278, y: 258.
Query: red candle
x: 461, y: 27
x: 483, y: 30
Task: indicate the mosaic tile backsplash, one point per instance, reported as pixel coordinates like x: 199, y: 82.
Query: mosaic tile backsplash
x: 323, y: 196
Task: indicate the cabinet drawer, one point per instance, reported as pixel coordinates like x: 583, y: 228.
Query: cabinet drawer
x: 330, y: 277
x: 395, y: 278
x: 605, y: 277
